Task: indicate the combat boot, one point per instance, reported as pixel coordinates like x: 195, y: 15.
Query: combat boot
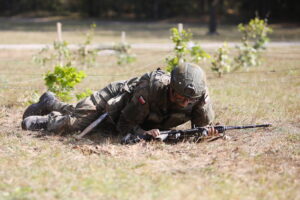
x: 48, y: 103
x: 35, y: 123
x: 43, y: 107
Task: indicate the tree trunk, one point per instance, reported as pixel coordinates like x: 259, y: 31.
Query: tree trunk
x: 212, y: 27
x: 155, y: 9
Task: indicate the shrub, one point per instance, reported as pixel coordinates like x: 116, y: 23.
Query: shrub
x: 254, y: 39
x: 221, y: 61
x: 123, y: 54
x: 63, y: 80
x: 185, y: 50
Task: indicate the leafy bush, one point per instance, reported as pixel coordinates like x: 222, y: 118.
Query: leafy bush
x: 84, y: 56
x: 63, y: 55
x: 180, y: 39
x: 221, y: 61
x: 198, y: 53
x: 247, y: 57
x: 84, y: 94
x: 64, y: 77
x: 125, y: 59
x: 42, y: 57
x: 123, y: 54
x: 256, y: 31
x: 63, y: 80
x: 30, y: 97
x: 185, y: 50
x: 254, y: 39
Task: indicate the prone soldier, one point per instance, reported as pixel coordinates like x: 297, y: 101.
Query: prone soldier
x: 142, y: 105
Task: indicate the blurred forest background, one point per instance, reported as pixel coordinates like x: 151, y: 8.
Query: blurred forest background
x: 225, y: 11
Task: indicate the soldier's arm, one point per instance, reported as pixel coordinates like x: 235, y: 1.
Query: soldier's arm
x: 135, y: 112
x: 203, y: 113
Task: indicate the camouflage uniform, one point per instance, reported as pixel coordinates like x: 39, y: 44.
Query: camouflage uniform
x: 134, y: 106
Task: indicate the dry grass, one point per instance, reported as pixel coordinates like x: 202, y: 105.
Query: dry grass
x: 254, y: 164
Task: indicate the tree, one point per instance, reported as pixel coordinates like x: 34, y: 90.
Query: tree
x: 212, y: 26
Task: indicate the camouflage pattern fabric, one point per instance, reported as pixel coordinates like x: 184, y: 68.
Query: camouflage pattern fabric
x: 136, y: 105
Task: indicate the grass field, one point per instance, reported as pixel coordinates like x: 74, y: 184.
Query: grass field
x: 252, y: 164
x: 43, y: 31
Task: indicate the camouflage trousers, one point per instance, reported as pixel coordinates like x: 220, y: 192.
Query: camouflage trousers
x: 85, y: 112
x: 112, y: 98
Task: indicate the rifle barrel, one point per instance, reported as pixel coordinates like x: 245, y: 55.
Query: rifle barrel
x: 247, y: 126
x: 220, y: 129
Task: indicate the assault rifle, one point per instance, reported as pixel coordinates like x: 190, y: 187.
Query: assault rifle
x: 197, y: 133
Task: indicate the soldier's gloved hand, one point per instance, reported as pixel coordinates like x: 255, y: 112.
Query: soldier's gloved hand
x: 153, y: 132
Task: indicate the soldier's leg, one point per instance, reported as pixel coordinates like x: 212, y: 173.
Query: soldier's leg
x: 84, y: 114
x: 46, y: 104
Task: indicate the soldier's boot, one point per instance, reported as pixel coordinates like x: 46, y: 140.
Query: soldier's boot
x: 42, y: 107
x: 47, y: 103
x: 35, y: 123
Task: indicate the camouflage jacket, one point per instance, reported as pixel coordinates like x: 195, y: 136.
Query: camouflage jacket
x: 142, y: 103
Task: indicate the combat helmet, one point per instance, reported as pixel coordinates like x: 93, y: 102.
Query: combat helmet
x: 188, y: 80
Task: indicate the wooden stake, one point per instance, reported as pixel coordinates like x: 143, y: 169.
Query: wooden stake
x: 180, y: 27
x: 59, y: 34
x: 123, y: 37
